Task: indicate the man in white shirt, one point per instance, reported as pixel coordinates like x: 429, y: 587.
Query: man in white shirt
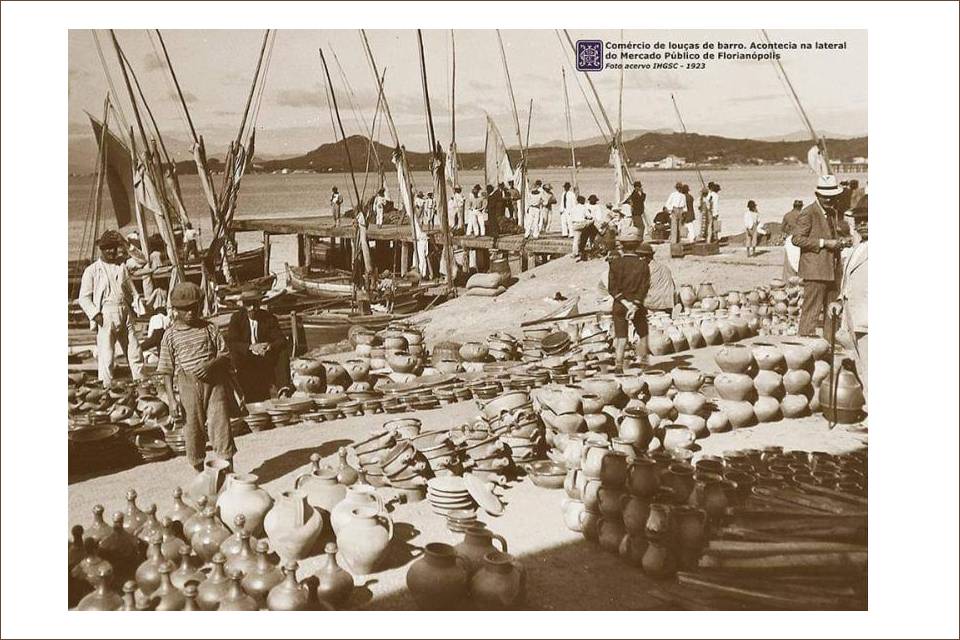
x: 336, y: 201
x: 531, y: 221
x: 751, y: 220
x: 713, y: 205
x: 546, y: 211
x: 111, y: 302
x: 582, y: 226
x: 676, y: 205
x: 379, y: 205
x: 457, y: 208
x: 568, y: 200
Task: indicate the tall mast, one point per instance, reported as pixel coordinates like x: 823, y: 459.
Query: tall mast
x: 573, y: 153
x: 438, y: 167
x: 683, y: 128
x: 516, y: 121
x: 454, y: 160
x: 101, y: 171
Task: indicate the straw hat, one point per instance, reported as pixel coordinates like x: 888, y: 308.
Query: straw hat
x: 828, y: 186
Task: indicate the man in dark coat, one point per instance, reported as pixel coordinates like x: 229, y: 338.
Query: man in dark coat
x: 259, y: 350
x: 637, y: 201
x: 817, y: 237
x: 628, y: 282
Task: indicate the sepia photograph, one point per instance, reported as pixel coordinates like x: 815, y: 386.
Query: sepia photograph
x: 446, y: 318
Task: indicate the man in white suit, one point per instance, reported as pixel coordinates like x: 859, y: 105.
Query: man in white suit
x: 109, y: 298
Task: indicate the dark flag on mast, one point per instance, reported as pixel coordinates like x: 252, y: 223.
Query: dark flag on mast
x: 118, y: 172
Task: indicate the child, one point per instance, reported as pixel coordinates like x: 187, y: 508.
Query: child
x: 195, y: 351
x: 751, y: 220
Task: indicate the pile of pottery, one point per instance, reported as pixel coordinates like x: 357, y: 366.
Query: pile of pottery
x: 502, y: 346
x: 771, y: 309
x: 475, y: 571
x: 592, y: 405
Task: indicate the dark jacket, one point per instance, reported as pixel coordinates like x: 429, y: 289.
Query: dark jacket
x: 790, y: 221
x: 629, y: 278
x: 238, y: 333
x: 815, y: 263
x: 689, y: 216
x: 636, y: 201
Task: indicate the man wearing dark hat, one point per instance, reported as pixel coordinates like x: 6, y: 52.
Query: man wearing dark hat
x: 259, y: 350
x: 628, y: 282
x: 195, y: 352
x: 110, y: 300
x: 819, y: 242
x: 637, y: 201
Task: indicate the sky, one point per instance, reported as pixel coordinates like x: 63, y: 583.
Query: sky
x: 744, y: 99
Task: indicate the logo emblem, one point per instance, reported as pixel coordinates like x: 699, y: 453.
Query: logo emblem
x: 589, y: 55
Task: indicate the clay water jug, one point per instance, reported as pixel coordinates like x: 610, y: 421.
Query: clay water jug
x: 187, y: 570
x: 75, y: 552
x: 133, y: 516
x: 847, y: 406
x: 364, y: 540
x: 99, y: 529
x: 690, y: 526
x: 129, y: 600
x: 263, y: 577
x: 235, y: 599
x: 633, y: 426
x: 477, y: 543
x: 245, y: 560
x: 242, y: 495
x: 151, y: 525
x: 209, y: 534
x: 712, y: 497
x: 212, y: 590
x: 208, y: 483
x: 632, y: 548
x: 321, y: 487
x: 147, y: 574
x: 438, y: 580
x: 346, y: 475
x: 635, y: 513
x: 232, y: 545
x: 357, y: 495
x: 289, y: 595
x: 679, y: 478
x: 121, y: 549
x: 500, y: 581
x: 660, y: 521
x: 658, y: 560
x: 103, y: 597
x: 642, y: 478
x: 89, y: 568
x: 167, y: 596
x: 334, y: 584
x: 293, y: 525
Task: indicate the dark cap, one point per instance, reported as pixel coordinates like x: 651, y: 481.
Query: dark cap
x: 185, y: 295
x: 111, y: 239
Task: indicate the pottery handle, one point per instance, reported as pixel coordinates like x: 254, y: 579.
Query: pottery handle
x: 501, y: 540
x: 389, y: 522
x: 381, y: 507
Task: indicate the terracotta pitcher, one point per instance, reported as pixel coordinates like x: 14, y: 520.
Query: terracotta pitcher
x: 242, y: 495
x: 642, y: 477
x: 358, y: 495
x: 209, y: 482
x: 293, y: 525
x: 477, y: 543
x: 439, y: 579
x: 500, y: 581
x: 364, y: 539
x: 321, y: 486
x: 633, y: 426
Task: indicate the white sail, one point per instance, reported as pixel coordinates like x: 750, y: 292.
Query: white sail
x: 816, y: 161
x: 621, y: 181
x: 496, y: 167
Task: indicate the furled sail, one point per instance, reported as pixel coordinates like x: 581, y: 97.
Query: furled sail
x: 118, y: 168
x: 497, y: 167
x: 621, y: 181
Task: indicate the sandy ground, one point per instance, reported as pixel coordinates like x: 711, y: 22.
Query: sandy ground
x: 564, y: 571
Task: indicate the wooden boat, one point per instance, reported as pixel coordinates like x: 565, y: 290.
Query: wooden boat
x: 325, y: 284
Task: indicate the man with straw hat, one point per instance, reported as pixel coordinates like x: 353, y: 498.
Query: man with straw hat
x: 819, y: 242
x: 111, y: 301
x: 628, y: 281
x: 259, y: 350
x: 195, y: 352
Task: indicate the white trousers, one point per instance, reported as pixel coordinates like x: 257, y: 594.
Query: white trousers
x: 531, y: 223
x: 473, y: 225
x: 117, y: 328
x: 546, y: 214
x: 379, y: 217
x: 564, y: 228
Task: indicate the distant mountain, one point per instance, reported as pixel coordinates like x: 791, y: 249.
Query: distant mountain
x: 797, y: 136
x: 629, y: 134
x: 649, y: 146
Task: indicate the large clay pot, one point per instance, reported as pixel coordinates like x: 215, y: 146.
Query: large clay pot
x: 662, y: 407
x: 307, y: 367
x: 768, y: 383
x: 797, y: 381
x: 795, y: 406
x: 321, y: 486
x: 293, y: 525
x: 797, y: 355
x: 687, y: 379
x: 718, y: 422
x: 689, y: 402
x: 847, y: 406
x: 659, y: 342
x: 363, y: 540
x: 710, y: 332
x: 474, y: 352
x: 401, y: 362
x: 821, y: 370
x: 606, y: 390
x: 631, y: 385
x: 734, y: 359
x: 209, y: 482
x: 500, y: 582
x: 675, y: 436
x: 395, y: 341
x: 692, y: 334
x: 820, y: 349
x: 242, y: 495
x: 476, y: 544
x: 728, y: 331
x: 769, y: 357
x: 358, y: 495
x: 642, y: 477
x: 695, y: 423
x: 635, y: 513
x: 678, y: 340
x: 735, y: 386
x: 438, y: 580
x: 739, y: 413
x: 334, y: 584
x: 658, y: 382
x: 633, y: 426
x: 658, y: 560
x: 687, y: 295
x: 767, y: 409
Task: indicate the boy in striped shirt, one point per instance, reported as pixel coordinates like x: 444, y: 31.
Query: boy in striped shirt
x: 195, y: 351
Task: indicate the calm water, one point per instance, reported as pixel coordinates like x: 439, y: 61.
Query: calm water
x: 773, y: 188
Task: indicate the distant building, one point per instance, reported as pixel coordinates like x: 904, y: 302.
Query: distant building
x: 671, y: 162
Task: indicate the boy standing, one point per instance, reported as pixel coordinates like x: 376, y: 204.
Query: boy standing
x: 195, y: 351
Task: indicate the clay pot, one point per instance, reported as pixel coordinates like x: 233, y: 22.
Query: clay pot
x: 364, y: 539
x: 476, y: 544
x: 633, y: 426
x: 293, y: 525
x: 103, y: 597
x: 358, y: 370
x: 728, y: 331
x: 599, y: 462
x: 121, y: 549
x: 334, y: 584
x: 687, y: 379
x: 820, y: 349
x: 597, y: 422
x: 659, y: 343
x: 401, y: 362
x: 689, y: 402
x: 687, y: 295
x: 573, y: 511
x: 147, y: 574
x: 439, y: 579
x: 474, y: 352
x: 607, y: 391
x: 635, y: 513
x: 569, y: 400
x: 309, y: 384
x: 718, y: 422
x: 706, y: 290
x: 661, y: 406
x: 797, y: 355
x: 321, y: 486
x: 631, y: 385
x: 767, y: 409
x: 209, y: 482
x: 167, y: 597
x: 847, y: 406
x: 768, y: 357
x: 690, y: 527
x: 289, y: 595
x: 739, y: 413
x: 735, y: 386
x: 215, y: 587
x: 209, y: 535
x: 632, y: 548
x: 797, y: 381
x: 679, y: 478
x: 610, y: 532
x: 734, y: 359
x: 263, y: 576
x: 675, y: 436
x: 396, y: 342
x: 447, y: 366
x: 242, y: 495
x: 678, y: 340
x: 658, y: 382
x: 569, y: 423
x: 235, y: 599
x: 821, y: 370
x: 500, y: 581
x: 180, y: 512
x: 307, y: 367
x: 768, y: 383
x: 658, y: 561
x: 642, y: 477
x: 795, y: 406
x: 713, y: 496
x: 695, y: 423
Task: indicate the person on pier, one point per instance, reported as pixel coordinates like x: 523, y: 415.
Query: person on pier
x: 628, y: 281
x: 637, y: 203
x: 583, y: 230
x: 379, y: 206
x: 194, y: 352
x: 677, y: 206
x: 259, y: 350
x: 111, y: 302
x: 751, y: 224
x: 713, y: 205
x: 531, y: 220
x: 689, y: 216
x: 336, y: 202
x: 457, y: 208
x: 791, y: 254
x: 568, y: 200
x: 546, y: 211
x: 496, y: 210
x: 475, y: 204
x: 513, y: 197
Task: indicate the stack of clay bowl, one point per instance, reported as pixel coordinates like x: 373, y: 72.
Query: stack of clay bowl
x: 676, y: 403
x: 532, y: 342
x: 448, y: 495
x: 807, y: 366
x: 503, y: 346
x: 438, y: 450
x: 473, y: 355
x: 596, y: 495
x: 257, y: 418
x: 555, y: 343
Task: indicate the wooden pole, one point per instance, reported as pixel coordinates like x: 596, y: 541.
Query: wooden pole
x: 516, y: 120
x: 683, y: 128
x: 573, y: 153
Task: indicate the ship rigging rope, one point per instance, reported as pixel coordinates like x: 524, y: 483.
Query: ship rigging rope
x: 576, y: 77
x: 113, y: 90
x: 171, y: 87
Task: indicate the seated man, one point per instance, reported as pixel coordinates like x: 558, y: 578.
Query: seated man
x: 259, y: 350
